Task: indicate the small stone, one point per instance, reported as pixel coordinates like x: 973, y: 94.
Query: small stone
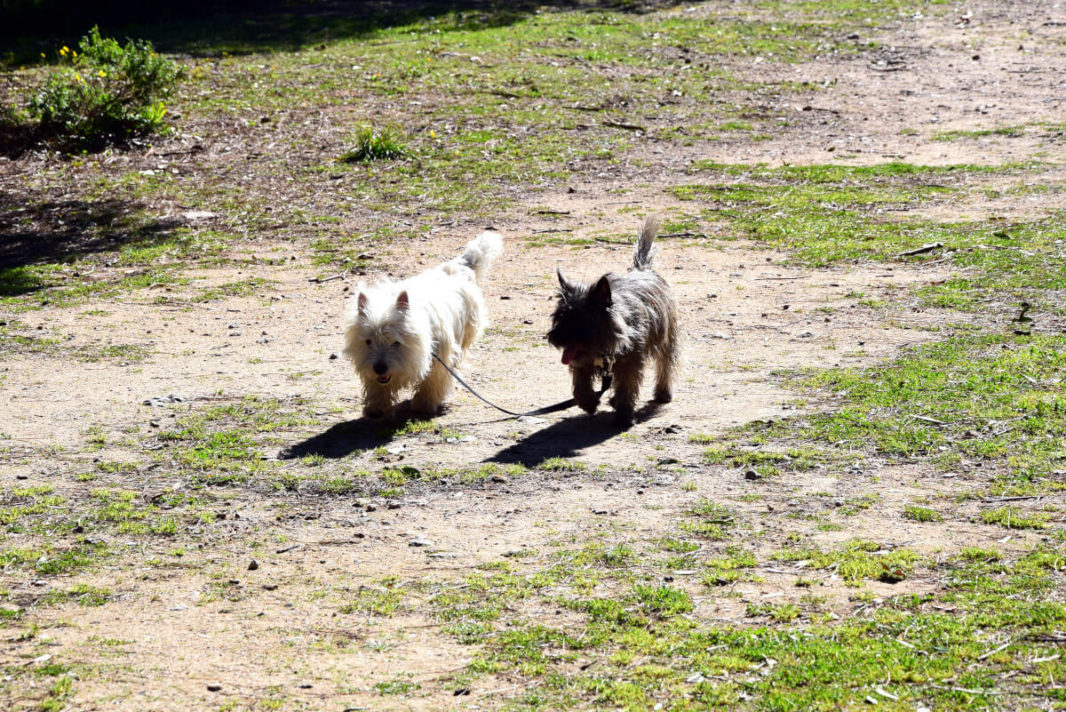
x: 752, y: 475
x: 214, y: 688
x: 499, y: 478
x: 420, y: 541
x: 270, y: 586
x: 253, y: 565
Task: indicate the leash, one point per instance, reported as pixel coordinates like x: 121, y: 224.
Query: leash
x: 605, y: 383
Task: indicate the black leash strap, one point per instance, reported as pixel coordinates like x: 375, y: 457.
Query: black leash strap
x: 562, y: 405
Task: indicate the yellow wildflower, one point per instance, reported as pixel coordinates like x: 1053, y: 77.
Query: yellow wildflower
x: 64, y: 50
x: 103, y: 74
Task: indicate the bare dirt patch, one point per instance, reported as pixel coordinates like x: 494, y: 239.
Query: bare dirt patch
x: 197, y: 628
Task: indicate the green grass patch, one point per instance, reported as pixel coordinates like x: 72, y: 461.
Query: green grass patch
x: 955, y: 135
x: 648, y: 646
x: 1014, y: 518
x: 987, y: 397
x: 857, y: 561
x: 922, y: 514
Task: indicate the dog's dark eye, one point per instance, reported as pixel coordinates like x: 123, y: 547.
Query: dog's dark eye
x: 396, y: 344
x: 369, y: 342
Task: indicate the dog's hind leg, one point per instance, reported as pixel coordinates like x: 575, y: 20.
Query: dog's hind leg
x: 432, y: 391
x: 665, y: 370
x: 666, y: 360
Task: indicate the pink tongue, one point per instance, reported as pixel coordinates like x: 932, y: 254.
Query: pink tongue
x: 568, y: 354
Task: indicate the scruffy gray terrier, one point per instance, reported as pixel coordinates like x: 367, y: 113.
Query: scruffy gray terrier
x: 610, y: 328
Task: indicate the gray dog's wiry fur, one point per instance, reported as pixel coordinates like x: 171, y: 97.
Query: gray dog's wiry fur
x: 614, y: 326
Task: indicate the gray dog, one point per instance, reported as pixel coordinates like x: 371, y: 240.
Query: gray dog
x: 611, y: 327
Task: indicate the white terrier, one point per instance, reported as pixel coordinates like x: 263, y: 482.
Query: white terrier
x: 394, y: 328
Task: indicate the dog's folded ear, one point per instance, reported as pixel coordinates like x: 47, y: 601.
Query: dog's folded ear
x: 601, y: 291
x: 403, y: 301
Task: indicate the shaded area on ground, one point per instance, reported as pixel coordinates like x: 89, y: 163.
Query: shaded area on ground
x: 340, y: 440
x: 567, y: 438
x: 59, y: 230
x: 209, y: 27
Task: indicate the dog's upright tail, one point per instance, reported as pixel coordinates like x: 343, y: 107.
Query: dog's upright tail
x: 644, y: 252
x: 480, y: 252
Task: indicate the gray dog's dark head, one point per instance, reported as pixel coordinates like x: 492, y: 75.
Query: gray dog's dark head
x: 584, y: 324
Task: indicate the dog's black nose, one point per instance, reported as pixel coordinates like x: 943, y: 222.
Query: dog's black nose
x: 380, y: 368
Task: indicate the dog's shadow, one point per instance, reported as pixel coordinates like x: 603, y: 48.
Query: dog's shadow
x: 568, y: 437
x: 343, y: 439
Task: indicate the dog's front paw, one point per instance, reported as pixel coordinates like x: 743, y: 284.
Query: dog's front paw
x: 587, y: 401
x: 663, y: 395
x: 373, y: 412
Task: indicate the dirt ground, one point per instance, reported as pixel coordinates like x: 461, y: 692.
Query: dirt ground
x: 746, y: 314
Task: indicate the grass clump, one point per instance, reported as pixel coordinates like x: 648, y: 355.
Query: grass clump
x: 105, y: 94
x: 1014, y: 518
x: 922, y: 514
x: 375, y: 143
x: 857, y: 560
x: 374, y: 601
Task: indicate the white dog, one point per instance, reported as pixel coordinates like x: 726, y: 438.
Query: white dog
x: 394, y: 328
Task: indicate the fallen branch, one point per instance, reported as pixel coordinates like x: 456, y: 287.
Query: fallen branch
x: 325, y: 279
x: 922, y: 418
x: 992, y: 652
x: 627, y: 127
x: 922, y: 250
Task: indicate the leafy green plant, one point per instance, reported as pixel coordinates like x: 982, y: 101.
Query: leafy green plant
x: 106, y: 93
x: 375, y: 143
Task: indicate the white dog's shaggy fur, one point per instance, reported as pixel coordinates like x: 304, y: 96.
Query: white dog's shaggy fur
x: 393, y: 328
